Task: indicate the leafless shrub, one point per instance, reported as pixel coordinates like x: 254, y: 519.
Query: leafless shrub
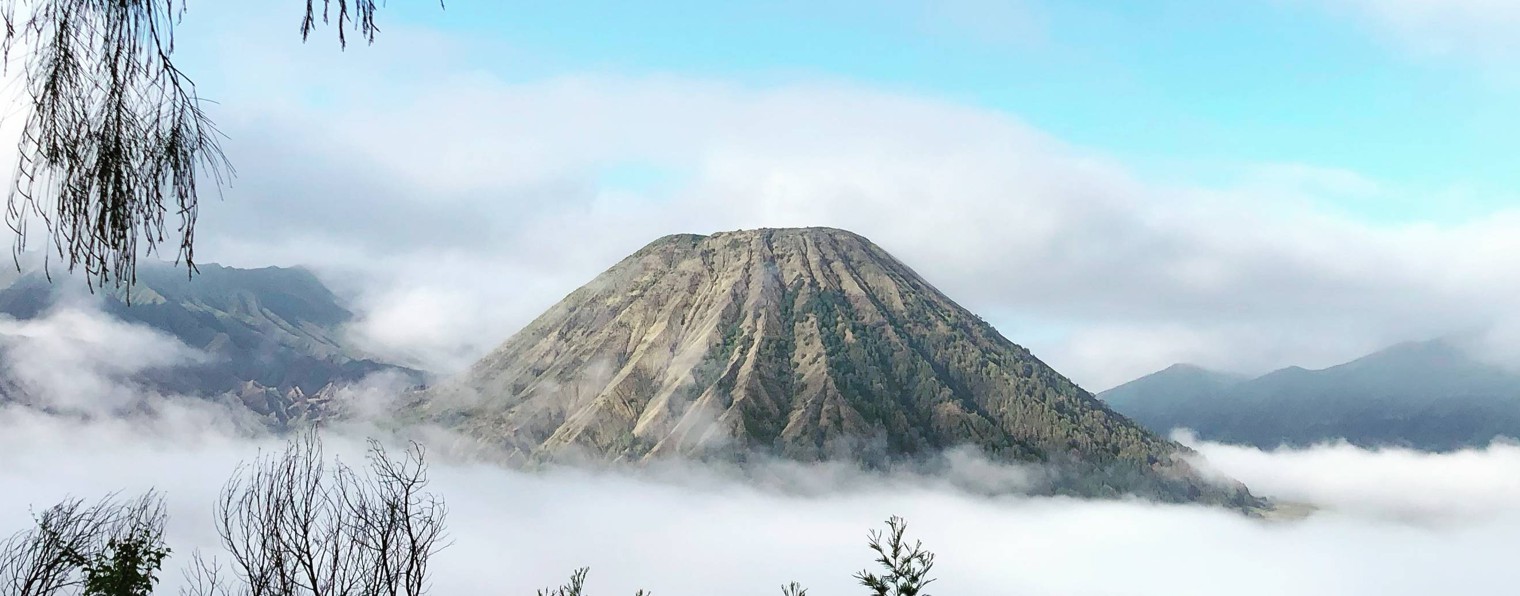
x: 293, y: 524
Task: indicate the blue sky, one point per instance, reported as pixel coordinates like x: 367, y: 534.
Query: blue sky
x: 1120, y: 186
x: 1182, y: 90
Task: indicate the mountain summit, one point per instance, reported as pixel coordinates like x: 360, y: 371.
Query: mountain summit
x: 801, y: 343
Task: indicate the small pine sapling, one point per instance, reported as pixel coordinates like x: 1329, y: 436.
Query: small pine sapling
x: 907, y: 566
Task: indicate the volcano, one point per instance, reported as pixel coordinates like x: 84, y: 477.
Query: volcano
x: 805, y: 344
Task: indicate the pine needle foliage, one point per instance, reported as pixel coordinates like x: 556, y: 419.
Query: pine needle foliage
x: 577, y: 586
x: 906, y: 566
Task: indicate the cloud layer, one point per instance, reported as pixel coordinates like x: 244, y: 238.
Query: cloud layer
x: 1386, y: 523
x: 454, y: 204
x: 78, y: 359
x: 694, y: 533
x: 1481, y: 29
x: 1460, y: 486
x: 460, y: 204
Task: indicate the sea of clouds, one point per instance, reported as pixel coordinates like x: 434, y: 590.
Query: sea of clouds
x: 1180, y: 266
x: 1385, y: 522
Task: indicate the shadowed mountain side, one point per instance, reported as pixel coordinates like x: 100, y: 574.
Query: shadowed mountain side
x: 273, y: 337
x: 1428, y: 395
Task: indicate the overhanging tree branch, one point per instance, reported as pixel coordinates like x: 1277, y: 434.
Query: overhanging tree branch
x: 114, y: 136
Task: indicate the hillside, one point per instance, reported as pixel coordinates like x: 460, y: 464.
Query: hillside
x: 273, y: 335
x: 1426, y: 395
x: 806, y: 344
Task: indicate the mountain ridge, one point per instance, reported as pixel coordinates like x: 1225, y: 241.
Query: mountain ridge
x: 273, y: 336
x: 1429, y: 395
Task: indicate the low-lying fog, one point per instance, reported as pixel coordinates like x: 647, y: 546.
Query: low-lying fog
x: 1388, y: 522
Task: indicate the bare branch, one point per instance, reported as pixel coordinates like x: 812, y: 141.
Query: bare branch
x: 294, y: 525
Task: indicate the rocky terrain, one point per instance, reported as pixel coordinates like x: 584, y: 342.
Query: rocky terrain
x: 805, y: 344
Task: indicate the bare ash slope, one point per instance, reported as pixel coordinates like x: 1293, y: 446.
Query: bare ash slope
x: 804, y: 343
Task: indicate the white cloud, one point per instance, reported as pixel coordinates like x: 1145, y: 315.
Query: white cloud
x: 1482, y: 29
x: 459, y: 205
x: 1446, y: 522
x: 470, y: 204
x: 689, y: 531
x: 76, y: 358
x: 1470, y: 485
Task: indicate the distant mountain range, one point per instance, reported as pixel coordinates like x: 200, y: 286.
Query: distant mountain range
x: 806, y: 344
x: 274, y: 335
x: 1428, y: 395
